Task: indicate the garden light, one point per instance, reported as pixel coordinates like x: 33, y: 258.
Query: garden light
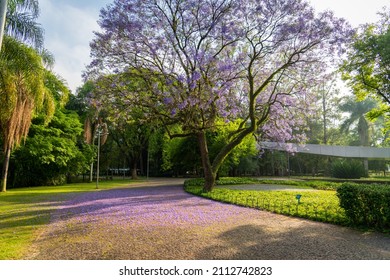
x: 298, y: 197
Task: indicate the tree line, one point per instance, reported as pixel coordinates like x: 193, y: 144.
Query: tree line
x: 191, y: 88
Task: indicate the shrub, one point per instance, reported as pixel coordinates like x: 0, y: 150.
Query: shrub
x: 322, y: 185
x: 366, y: 204
x: 348, y: 169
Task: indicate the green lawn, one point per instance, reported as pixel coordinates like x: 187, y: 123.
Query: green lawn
x: 318, y: 200
x: 24, y: 211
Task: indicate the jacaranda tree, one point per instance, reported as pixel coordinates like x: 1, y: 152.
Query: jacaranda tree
x: 197, y: 62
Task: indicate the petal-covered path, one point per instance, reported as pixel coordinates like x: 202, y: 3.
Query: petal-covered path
x: 161, y: 221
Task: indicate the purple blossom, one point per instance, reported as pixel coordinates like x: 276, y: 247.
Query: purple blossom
x: 148, y: 207
x: 168, y: 100
x: 182, y: 105
x: 221, y: 58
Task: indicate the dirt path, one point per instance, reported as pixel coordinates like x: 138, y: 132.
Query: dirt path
x: 161, y: 221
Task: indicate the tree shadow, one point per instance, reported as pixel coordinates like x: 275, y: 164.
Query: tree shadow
x: 115, y: 199
x: 41, y: 208
x: 312, y: 242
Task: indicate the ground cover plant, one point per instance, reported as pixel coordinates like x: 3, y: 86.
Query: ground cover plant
x: 24, y: 211
x: 321, y: 204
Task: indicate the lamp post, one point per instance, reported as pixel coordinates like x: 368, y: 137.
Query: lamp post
x: 99, y: 133
x: 147, y: 163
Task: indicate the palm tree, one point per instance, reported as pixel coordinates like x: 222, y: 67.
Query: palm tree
x: 22, y: 72
x: 22, y: 91
x: 18, y: 20
x: 358, y: 115
x: 3, y: 12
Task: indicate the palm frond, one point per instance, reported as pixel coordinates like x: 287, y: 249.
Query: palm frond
x: 47, y: 58
x: 32, y: 6
x: 22, y: 26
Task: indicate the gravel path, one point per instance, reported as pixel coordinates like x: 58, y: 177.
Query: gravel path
x: 161, y: 221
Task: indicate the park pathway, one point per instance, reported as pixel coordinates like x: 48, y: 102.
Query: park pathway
x: 158, y: 220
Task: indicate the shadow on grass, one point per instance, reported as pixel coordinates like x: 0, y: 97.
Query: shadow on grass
x: 24, y: 211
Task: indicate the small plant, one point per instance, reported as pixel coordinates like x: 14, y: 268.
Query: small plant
x: 348, y: 169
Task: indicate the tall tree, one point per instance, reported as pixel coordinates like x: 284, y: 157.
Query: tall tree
x: 329, y: 96
x: 92, y: 118
x: 132, y: 139
x: 367, y: 66
x: 358, y: 114
x: 22, y: 90
x: 21, y: 24
x: 3, y: 12
x: 51, y: 152
x: 200, y: 61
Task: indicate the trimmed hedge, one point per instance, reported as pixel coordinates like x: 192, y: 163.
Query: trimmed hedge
x: 366, y: 205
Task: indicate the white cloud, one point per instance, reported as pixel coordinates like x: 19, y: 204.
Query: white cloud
x: 355, y: 12
x: 68, y: 31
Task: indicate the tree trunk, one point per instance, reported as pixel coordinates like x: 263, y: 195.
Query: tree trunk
x: 3, y: 12
x: 211, y: 170
x: 91, y: 173
x: 209, y: 174
x: 5, y: 170
x: 134, y: 175
x: 364, y: 138
x: 325, y: 124
x: 365, y: 164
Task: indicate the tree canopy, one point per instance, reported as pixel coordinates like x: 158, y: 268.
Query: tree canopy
x: 51, y: 152
x: 22, y: 91
x: 21, y: 24
x: 202, y: 61
x: 367, y: 67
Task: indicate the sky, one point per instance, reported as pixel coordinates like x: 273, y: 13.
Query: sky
x: 69, y: 27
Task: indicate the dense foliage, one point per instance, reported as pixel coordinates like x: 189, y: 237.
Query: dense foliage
x: 348, y: 169
x: 367, y: 67
x: 52, y: 153
x: 366, y: 204
x: 182, y: 154
x: 22, y: 93
x: 197, y: 62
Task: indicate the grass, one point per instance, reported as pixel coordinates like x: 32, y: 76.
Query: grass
x: 24, y: 211
x: 318, y: 199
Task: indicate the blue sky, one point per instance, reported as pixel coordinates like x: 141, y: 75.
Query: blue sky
x: 69, y: 26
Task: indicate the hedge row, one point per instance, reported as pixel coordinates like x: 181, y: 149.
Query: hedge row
x: 366, y: 204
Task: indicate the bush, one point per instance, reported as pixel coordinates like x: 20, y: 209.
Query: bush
x: 348, y: 169
x: 322, y: 185
x: 366, y: 204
